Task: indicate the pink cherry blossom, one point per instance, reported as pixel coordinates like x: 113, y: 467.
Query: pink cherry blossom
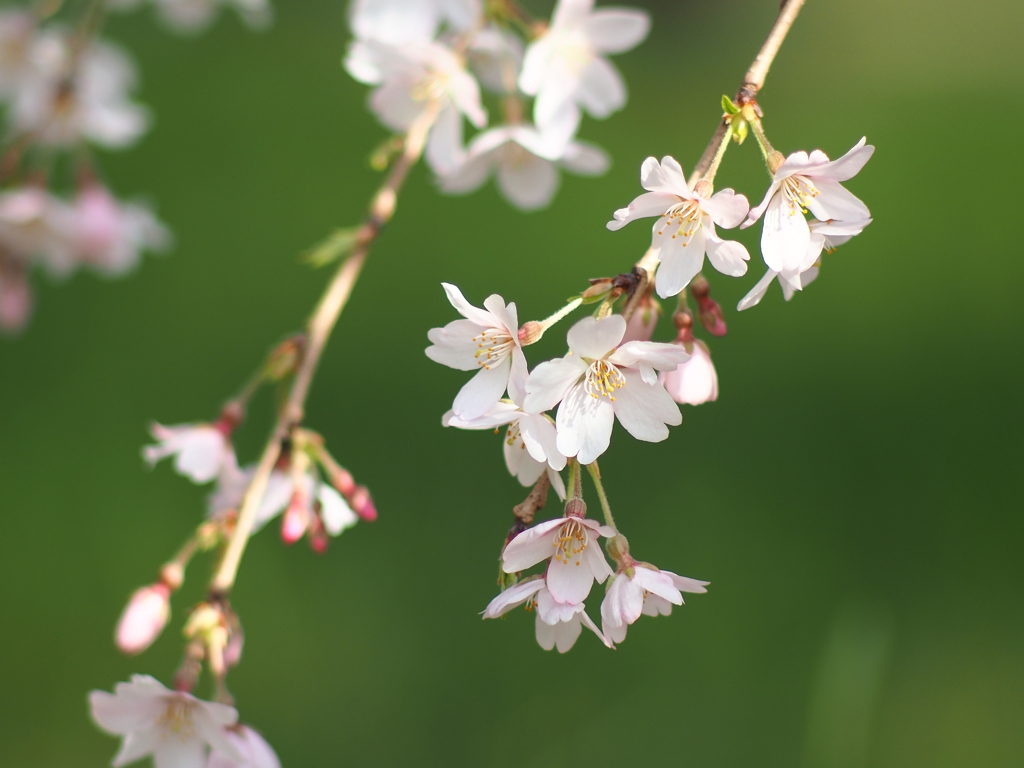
x: 144, y: 618
x: 602, y: 379
x: 647, y: 590
x: 200, y: 450
x: 694, y: 381
x: 254, y: 749
x: 109, y: 235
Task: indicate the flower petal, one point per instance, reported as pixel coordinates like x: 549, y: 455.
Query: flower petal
x: 479, y: 394
x: 515, y: 595
x: 584, y: 424
x: 530, y: 547
x: 644, y: 410
x: 834, y: 201
x: 785, y: 236
x: 726, y: 208
x: 727, y: 256
x: 616, y: 30
x: 647, y: 204
x: 601, y: 90
x: 849, y: 165
x: 593, y: 338
x: 757, y: 293
x: 551, y: 381
x: 528, y: 183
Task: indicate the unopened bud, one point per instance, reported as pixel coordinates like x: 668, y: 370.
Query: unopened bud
x: 710, y: 313
x: 342, y: 480
x: 618, y: 549
x: 172, y: 576
x: 284, y: 359
x: 598, y: 288
x: 682, y: 319
x: 530, y: 333
x: 362, y: 504
x: 576, y: 508
x: 317, y: 536
x: 640, y: 327
x: 295, y: 520
x: 143, y: 619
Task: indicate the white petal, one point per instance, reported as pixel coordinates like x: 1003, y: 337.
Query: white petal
x: 584, y: 425
x: 685, y: 584
x: 551, y: 611
x: 551, y: 381
x: 467, y: 310
x: 480, y: 393
x: 593, y: 338
x: 644, y: 410
x: 515, y: 595
x: 757, y: 293
x: 681, y: 260
x: 601, y: 89
x: 785, y: 236
x: 849, y: 165
x: 836, y: 202
x: 529, y: 183
x: 570, y: 582
x: 455, y: 345
x: 567, y: 632
x: 726, y: 208
x: 444, y: 150
x: 335, y: 511
x: 585, y: 159
x: 647, y: 204
x: 545, y: 634
x: 727, y: 256
x: 530, y: 547
x: 616, y: 30
x: 660, y: 356
x: 657, y: 583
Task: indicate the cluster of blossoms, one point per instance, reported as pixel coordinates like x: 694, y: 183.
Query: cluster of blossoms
x: 612, y: 370
x: 441, y: 54
x: 63, y: 89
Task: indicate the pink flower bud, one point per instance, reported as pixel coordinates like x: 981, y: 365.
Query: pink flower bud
x: 317, y: 536
x: 233, y: 650
x: 295, y: 520
x: 143, y: 619
x: 710, y: 314
x: 695, y: 381
x: 362, y: 504
x: 342, y: 480
x: 15, y: 301
x: 640, y: 327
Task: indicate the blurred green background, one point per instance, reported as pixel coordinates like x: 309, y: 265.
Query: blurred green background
x: 853, y: 496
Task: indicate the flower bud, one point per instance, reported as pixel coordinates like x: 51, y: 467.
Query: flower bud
x: 362, y: 504
x: 342, y: 481
x: 640, y: 327
x: 143, y: 619
x: 694, y: 381
x: 172, y: 575
x: 710, y: 313
x: 598, y: 288
x: 295, y: 520
x: 317, y: 535
x: 285, y: 358
x: 530, y: 333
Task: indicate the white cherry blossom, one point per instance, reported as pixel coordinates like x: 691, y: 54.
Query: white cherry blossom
x: 63, y: 99
x: 486, y: 341
x: 557, y: 625
x: 694, y: 381
x: 495, y: 56
x: 398, y: 22
x: 253, y: 748
x: 825, y: 235
x: 570, y: 547
x: 109, y: 235
x: 407, y: 78
x: 36, y: 225
x: 649, y: 591
x: 600, y: 380
x: 530, y: 444
x: 685, y: 229
x: 525, y: 162
x: 807, y: 183
x: 175, y: 728
x: 197, y: 15
x: 565, y: 68
x: 200, y: 450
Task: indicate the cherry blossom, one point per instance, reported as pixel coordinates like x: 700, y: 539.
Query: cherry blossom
x: 410, y: 77
x: 174, y: 727
x: 807, y: 183
x: 556, y: 624
x: 200, y: 450
x: 35, y: 224
x: 144, y: 618
x: 600, y: 380
x: 109, y: 235
x: 574, y: 558
x: 254, y: 749
x: 410, y: 21
x: 495, y: 56
x: 825, y: 235
x: 196, y: 15
x: 525, y: 163
x: 63, y: 98
x: 565, y: 67
x: 694, y: 381
x: 642, y: 588
x: 486, y: 341
x: 530, y: 441
x: 685, y: 229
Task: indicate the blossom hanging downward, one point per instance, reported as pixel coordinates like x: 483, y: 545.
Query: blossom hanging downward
x: 255, y: 751
x: 685, y: 229
x: 175, y: 728
x: 565, y: 67
x: 557, y: 624
x: 410, y: 21
x: 642, y: 588
x: 600, y: 380
x: 200, y: 450
x: 804, y: 183
x: 487, y: 341
x: 825, y: 235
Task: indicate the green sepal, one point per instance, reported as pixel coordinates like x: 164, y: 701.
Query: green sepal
x: 728, y: 107
x: 740, y: 129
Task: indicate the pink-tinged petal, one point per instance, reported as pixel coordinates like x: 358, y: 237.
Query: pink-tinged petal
x: 201, y: 456
x: 800, y: 162
x: 616, y: 30
x: 467, y: 310
x: 138, y: 744
x: 666, y: 176
x: 622, y: 602
x: 657, y: 583
x: 505, y: 316
x: 529, y: 183
x: 681, y: 259
x: 660, y: 356
x: 455, y: 345
x: 656, y: 606
x: 518, y: 374
x: 521, y: 465
x: 545, y: 634
x: 512, y: 597
x: 121, y: 714
x: 785, y: 236
x: 585, y: 159
x: 589, y: 624
x: 335, y: 512
x: 601, y: 90
x: 551, y: 381
x: 686, y: 584
x: 570, y: 581
x: 834, y: 201
x: 567, y: 632
x: 557, y: 94
x: 753, y: 298
x: 593, y: 338
x: 180, y: 754
x: 807, y: 277
x: 479, y: 394
x: 501, y: 414
x: 557, y: 483
x: 465, y: 93
x: 594, y: 557
x: 570, y: 13
x: 530, y: 547
x: 644, y: 206
x: 695, y: 381
x: 849, y: 165
x: 726, y: 208
x: 727, y: 256
x: 645, y: 410
x: 584, y: 425
x: 552, y: 612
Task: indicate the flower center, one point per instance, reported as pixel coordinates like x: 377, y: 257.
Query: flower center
x: 685, y: 217
x: 569, y: 542
x: 512, y: 435
x: 493, y: 346
x: 798, y: 191
x: 433, y: 87
x: 575, y: 52
x: 603, y: 379
x: 177, y: 719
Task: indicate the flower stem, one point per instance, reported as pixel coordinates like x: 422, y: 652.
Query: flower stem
x: 562, y: 313
x: 595, y: 475
x: 709, y: 174
x: 762, y: 141
x: 318, y: 331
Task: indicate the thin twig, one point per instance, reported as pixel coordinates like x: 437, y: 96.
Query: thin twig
x: 318, y: 331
